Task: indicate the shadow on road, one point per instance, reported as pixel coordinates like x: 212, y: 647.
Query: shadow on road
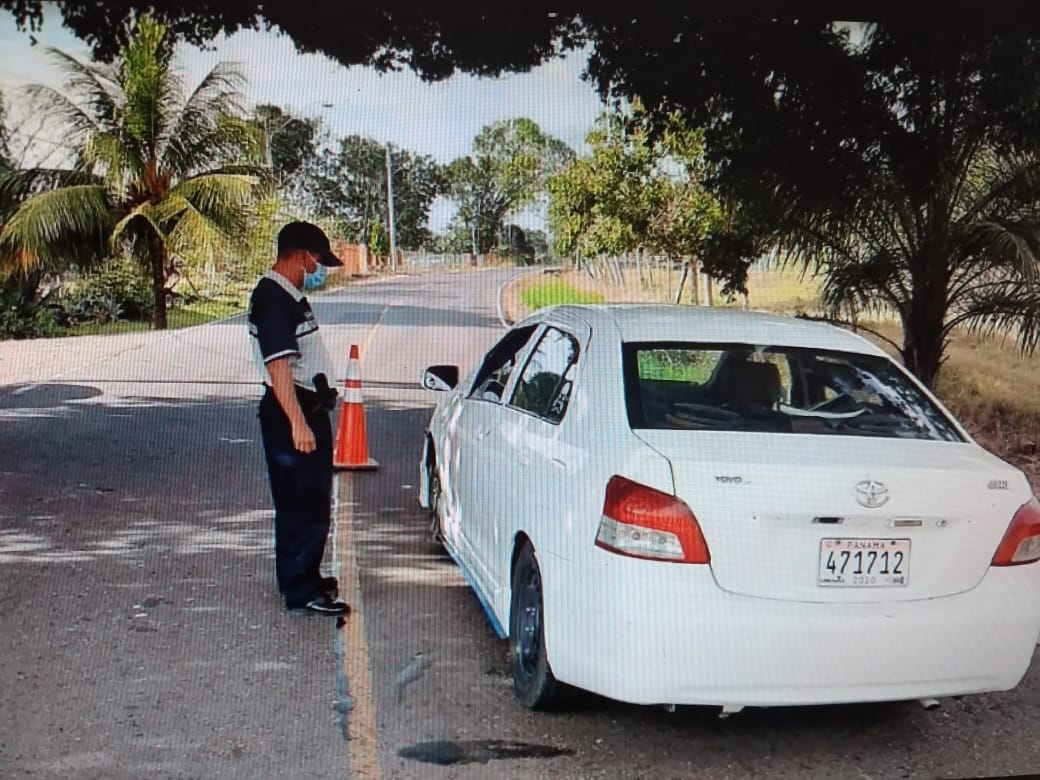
x: 140, y: 627
x: 44, y: 396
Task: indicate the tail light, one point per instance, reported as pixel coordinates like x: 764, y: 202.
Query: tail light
x: 1021, y: 543
x: 641, y: 522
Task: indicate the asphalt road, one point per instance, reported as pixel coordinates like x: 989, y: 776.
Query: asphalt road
x: 141, y: 634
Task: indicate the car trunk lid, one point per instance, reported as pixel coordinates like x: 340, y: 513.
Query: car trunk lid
x: 785, y: 515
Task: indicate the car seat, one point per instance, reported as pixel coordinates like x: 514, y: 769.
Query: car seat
x: 753, y: 385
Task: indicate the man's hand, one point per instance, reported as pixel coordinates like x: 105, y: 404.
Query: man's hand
x: 303, y: 438
x: 285, y: 392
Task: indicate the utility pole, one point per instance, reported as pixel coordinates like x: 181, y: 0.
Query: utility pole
x: 390, y: 208
x: 267, y: 145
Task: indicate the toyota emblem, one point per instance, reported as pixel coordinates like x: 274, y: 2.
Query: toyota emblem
x: 871, y: 493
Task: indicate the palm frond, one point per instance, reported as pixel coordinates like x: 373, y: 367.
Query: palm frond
x: 97, y: 85
x: 196, y: 234
x: 1002, y: 307
x: 999, y: 186
x: 50, y: 225
x: 142, y: 214
x: 215, y: 97
x: 1012, y: 245
x: 17, y: 185
x: 108, y: 154
x: 151, y: 93
x: 221, y: 198
x: 873, y: 283
x: 63, y: 110
x: 206, y: 146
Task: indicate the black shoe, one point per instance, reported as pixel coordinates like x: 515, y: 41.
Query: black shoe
x: 330, y: 585
x: 323, y: 605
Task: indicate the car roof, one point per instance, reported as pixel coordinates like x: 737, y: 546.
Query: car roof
x: 683, y: 322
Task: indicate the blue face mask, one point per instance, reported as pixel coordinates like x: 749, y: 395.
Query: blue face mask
x: 315, y: 280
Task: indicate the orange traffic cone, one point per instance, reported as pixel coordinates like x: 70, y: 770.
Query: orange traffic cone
x: 351, y: 436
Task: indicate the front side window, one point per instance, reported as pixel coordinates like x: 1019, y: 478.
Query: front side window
x: 742, y: 387
x: 544, y: 388
x: 490, y: 382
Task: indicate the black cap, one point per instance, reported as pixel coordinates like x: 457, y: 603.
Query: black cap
x: 310, y: 238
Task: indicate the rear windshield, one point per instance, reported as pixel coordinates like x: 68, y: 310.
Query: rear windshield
x: 738, y: 387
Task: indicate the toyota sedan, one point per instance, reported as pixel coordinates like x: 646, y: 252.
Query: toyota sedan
x: 678, y: 505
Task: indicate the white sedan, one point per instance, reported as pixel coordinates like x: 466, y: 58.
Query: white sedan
x: 677, y: 505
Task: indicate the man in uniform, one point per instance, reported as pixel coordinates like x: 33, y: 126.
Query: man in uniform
x: 294, y: 415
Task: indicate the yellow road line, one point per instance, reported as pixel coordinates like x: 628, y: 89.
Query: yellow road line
x: 363, y: 745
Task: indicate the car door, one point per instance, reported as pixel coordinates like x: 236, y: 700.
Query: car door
x: 475, y: 441
x: 539, y: 460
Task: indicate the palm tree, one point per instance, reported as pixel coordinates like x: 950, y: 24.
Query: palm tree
x: 969, y: 259
x: 22, y: 270
x: 158, y: 173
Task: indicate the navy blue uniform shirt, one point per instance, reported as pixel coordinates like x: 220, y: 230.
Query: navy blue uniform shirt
x: 282, y: 324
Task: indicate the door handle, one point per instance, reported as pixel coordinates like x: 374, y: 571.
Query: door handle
x: 558, y: 463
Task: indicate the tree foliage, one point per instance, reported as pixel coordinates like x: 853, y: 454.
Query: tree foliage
x: 634, y: 191
x: 289, y: 140
x: 378, y: 240
x: 161, y: 172
x: 487, y: 39
x: 899, y: 165
x: 511, y: 163
x: 350, y: 183
x: 432, y: 39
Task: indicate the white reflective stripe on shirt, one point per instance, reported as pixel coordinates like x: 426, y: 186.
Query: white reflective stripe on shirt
x: 313, y: 357
x: 284, y: 283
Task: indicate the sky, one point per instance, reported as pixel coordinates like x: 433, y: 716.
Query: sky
x: 439, y: 119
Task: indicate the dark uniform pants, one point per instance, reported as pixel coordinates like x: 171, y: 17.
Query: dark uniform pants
x: 301, y: 486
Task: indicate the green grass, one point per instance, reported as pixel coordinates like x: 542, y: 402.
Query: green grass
x: 555, y: 292
x: 182, y: 316
x: 677, y: 365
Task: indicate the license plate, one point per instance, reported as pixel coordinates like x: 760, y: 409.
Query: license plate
x: 864, y: 563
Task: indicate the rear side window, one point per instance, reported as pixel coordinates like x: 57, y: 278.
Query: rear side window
x: 545, y: 386
x: 746, y: 387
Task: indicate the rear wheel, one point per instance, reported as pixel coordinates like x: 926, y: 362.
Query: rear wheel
x: 533, y: 680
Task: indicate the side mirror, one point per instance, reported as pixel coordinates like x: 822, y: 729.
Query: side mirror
x: 440, y: 377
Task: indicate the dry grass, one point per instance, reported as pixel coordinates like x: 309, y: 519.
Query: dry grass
x: 986, y: 382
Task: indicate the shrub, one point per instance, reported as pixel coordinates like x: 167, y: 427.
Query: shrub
x: 117, y: 290
x: 25, y: 319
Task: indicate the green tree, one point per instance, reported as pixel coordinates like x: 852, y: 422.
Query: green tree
x: 257, y: 251
x: 635, y: 190
x: 455, y: 240
x: 160, y: 174
x: 901, y: 166
x: 683, y: 212
x: 511, y: 163
x: 21, y: 270
x: 378, y: 240
x: 351, y: 184
x: 538, y: 241
x: 289, y: 141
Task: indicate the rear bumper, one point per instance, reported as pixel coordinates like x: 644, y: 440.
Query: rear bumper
x: 653, y: 633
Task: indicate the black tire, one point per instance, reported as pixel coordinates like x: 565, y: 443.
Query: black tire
x: 533, y: 680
